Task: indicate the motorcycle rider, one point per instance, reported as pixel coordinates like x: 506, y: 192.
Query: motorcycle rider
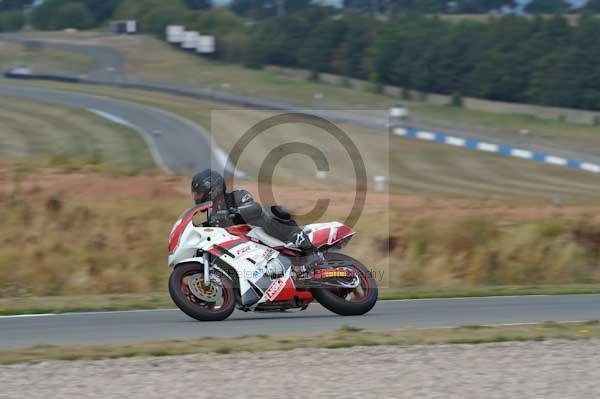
x: 238, y: 207
x: 209, y: 185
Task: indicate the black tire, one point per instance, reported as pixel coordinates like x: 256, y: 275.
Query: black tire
x: 200, y: 311
x: 332, y: 299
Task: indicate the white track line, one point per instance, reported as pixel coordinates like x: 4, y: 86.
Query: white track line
x: 112, y: 118
x: 28, y: 315
x: 85, y: 313
x: 147, y: 136
x: 529, y: 323
x: 315, y: 304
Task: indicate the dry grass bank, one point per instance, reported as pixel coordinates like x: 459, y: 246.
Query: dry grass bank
x: 151, y: 59
x: 67, y: 231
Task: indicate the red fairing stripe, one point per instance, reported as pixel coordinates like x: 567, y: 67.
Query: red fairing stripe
x: 343, y: 232
x: 289, y: 292
x: 215, y: 252
x: 232, y: 243
x: 182, y: 223
x: 320, y: 237
x: 238, y: 230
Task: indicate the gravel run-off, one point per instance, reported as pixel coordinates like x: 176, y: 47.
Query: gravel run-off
x: 549, y: 369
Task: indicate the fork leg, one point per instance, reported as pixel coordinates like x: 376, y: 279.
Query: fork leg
x: 205, y: 258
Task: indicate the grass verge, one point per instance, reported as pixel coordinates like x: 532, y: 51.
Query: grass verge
x: 477, y: 292
x: 43, y: 60
x: 36, y: 129
x: 344, y: 337
x: 160, y: 300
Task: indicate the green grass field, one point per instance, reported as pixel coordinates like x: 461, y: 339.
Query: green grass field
x: 151, y: 59
x: 43, y: 60
x: 35, y: 129
x: 556, y: 133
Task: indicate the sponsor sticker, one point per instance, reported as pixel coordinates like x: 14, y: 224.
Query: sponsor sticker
x: 243, y: 249
x: 274, y: 289
x: 260, y: 270
x: 268, y: 253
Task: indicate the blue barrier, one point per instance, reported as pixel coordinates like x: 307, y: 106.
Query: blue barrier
x: 494, y: 148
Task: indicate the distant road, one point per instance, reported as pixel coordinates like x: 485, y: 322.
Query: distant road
x: 109, y: 69
x: 177, y: 144
x: 110, y: 327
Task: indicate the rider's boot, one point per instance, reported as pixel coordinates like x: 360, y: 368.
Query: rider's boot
x: 312, y: 258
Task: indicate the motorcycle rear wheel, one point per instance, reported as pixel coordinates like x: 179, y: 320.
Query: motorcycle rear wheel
x: 193, y: 306
x: 348, y: 302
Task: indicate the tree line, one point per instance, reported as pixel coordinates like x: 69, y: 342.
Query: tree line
x: 78, y: 14
x: 510, y: 58
x: 532, y: 59
x: 540, y: 59
x: 84, y: 14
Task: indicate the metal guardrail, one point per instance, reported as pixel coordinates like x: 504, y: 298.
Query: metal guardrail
x: 30, y: 76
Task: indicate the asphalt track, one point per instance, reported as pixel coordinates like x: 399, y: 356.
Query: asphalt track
x: 141, y: 325
x: 177, y: 144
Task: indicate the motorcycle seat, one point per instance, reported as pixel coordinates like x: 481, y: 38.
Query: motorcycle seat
x: 259, y: 234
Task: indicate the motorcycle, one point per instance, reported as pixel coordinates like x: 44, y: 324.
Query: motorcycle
x: 218, y: 269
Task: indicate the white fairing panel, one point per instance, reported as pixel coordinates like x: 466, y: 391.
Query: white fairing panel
x: 249, y: 259
x: 198, y: 238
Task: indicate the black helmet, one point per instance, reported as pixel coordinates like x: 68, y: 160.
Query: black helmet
x: 207, y: 185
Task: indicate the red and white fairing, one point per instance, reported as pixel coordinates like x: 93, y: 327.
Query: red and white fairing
x: 239, y: 249
x: 327, y: 234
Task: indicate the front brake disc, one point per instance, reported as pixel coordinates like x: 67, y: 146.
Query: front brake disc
x: 206, y: 293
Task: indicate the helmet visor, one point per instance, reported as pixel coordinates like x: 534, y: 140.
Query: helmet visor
x: 200, y: 197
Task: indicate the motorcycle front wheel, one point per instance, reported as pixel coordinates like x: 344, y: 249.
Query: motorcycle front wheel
x: 348, y: 301
x: 186, y: 288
